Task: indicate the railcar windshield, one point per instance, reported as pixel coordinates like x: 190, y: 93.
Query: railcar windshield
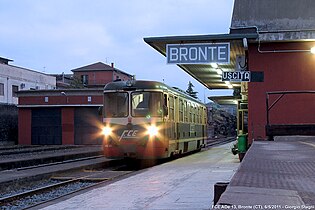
x: 116, y: 104
x: 147, y: 104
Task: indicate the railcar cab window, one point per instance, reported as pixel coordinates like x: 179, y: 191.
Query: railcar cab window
x: 146, y: 104
x: 116, y: 104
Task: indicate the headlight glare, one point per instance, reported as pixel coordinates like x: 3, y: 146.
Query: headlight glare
x: 107, y: 131
x: 153, y: 130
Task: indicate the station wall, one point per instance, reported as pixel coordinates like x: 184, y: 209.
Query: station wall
x: 283, y: 71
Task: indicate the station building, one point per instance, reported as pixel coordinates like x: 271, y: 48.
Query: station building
x: 69, y: 115
x: 266, y: 58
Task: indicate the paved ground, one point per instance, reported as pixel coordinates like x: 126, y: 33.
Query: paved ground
x: 185, y: 183
x: 275, y: 175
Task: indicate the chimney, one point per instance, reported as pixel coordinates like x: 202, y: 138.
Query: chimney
x: 112, y: 65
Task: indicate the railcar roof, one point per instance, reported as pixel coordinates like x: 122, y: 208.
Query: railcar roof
x: 145, y: 84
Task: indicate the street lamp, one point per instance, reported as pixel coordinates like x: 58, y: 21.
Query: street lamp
x: 64, y: 94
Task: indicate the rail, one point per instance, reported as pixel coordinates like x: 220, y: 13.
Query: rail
x: 59, y: 162
x: 38, y: 196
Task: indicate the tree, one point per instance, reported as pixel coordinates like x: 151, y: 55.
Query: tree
x: 237, y: 92
x: 76, y: 83
x: 190, y: 91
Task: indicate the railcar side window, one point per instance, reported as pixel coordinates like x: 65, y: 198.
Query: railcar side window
x: 171, y: 104
x: 146, y: 104
x: 116, y: 104
x: 186, y: 111
x: 189, y: 108
x: 181, y: 109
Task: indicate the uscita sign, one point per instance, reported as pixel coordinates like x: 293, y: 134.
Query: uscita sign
x: 236, y: 76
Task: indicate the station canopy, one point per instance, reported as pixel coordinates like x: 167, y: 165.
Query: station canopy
x: 207, y: 74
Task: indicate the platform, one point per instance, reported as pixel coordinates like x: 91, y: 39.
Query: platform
x: 185, y: 183
x: 275, y: 175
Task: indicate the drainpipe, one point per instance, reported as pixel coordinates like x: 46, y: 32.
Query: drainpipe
x: 275, y: 31
x: 278, y: 51
x: 282, y: 31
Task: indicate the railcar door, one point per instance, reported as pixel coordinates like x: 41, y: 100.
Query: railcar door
x: 166, y: 122
x: 176, y: 120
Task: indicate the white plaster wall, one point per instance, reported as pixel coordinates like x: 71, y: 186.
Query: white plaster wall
x: 13, y: 75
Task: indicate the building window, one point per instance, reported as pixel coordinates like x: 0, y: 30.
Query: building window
x: 15, y: 88
x: 1, y: 89
x: 85, y: 79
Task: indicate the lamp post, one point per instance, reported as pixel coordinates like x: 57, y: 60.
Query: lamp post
x: 64, y: 94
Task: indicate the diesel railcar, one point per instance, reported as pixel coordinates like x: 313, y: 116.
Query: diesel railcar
x: 150, y: 120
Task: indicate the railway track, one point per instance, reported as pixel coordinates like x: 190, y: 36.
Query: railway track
x: 65, y: 184
x: 219, y: 141
x: 33, y: 156
x: 19, y: 149
x: 58, y: 163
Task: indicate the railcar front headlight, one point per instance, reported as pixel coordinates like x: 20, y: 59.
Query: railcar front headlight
x: 153, y: 130
x: 107, y: 131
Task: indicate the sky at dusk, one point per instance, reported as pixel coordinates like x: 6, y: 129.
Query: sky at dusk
x: 55, y: 36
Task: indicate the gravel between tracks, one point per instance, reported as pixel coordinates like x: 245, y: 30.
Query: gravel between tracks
x: 38, y: 198
x: 27, y: 187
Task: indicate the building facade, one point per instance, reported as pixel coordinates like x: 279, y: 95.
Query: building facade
x: 99, y: 74
x: 55, y: 117
x: 13, y: 79
x: 282, y: 51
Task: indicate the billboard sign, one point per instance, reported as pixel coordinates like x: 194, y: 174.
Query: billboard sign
x: 201, y: 53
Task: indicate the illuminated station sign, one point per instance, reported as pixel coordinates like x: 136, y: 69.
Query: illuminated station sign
x: 206, y: 53
x: 203, y: 53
